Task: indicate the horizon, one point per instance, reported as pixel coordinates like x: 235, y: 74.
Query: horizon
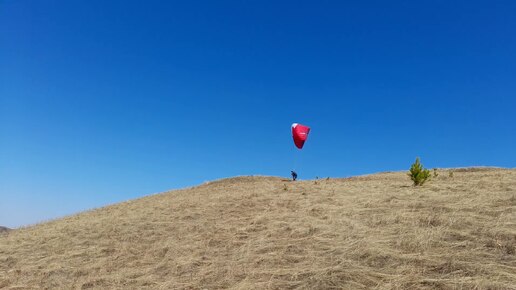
x: 106, y: 102
x: 237, y: 176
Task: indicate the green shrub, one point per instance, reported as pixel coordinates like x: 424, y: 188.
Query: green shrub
x: 418, y: 174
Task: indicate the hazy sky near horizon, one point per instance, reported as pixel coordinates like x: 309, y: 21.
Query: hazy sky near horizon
x: 104, y: 101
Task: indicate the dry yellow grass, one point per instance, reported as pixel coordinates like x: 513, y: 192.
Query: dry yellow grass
x: 370, y: 232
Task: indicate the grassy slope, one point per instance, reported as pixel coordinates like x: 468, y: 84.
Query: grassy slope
x: 366, y: 232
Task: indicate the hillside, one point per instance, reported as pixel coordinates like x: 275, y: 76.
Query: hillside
x: 374, y: 231
x: 4, y: 229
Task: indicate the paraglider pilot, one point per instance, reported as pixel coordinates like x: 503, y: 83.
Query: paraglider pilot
x: 294, y: 175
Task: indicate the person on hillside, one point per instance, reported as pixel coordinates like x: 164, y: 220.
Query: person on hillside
x: 294, y: 175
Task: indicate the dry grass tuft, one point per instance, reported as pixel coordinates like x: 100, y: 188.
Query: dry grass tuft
x: 368, y: 232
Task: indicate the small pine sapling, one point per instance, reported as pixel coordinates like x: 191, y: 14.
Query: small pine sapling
x: 418, y: 174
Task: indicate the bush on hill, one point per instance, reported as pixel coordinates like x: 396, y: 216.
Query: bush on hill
x: 418, y: 174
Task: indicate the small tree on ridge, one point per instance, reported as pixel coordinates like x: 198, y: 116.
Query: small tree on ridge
x: 418, y: 174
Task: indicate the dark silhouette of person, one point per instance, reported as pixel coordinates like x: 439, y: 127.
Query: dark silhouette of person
x: 294, y: 175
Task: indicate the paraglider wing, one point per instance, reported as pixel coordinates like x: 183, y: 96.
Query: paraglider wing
x: 300, y: 134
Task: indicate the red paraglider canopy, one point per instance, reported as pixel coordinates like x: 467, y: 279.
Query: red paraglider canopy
x: 300, y: 134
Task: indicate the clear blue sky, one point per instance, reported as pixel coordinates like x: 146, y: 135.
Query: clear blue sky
x: 104, y: 101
